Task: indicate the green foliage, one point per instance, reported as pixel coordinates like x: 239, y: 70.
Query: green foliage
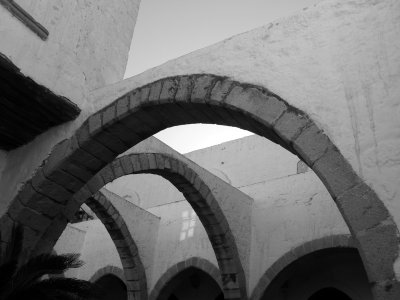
x: 29, y: 280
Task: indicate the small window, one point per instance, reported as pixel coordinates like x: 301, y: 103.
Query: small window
x: 188, y: 225
x: 301, y: 167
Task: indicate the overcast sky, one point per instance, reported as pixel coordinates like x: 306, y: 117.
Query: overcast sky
x: 167, y: 29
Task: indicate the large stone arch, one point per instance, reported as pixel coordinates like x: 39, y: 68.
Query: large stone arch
x: 203, y: 98
x: 328, y: 242
x: 195, y: 262
x: 135, y: 276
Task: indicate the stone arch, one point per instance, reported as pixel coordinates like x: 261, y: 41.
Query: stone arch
x: 186, y: 181
x: 196, y: 262
x: 113, y: 270
x: 328, y: 242
x: 135, y: 276
x: 205, y: 98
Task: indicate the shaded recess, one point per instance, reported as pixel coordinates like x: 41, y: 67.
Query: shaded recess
x: 111, y: 288
x: 194, y: 278
x: 206, y: 98
x: 313, y: 269
x: 28, y: 109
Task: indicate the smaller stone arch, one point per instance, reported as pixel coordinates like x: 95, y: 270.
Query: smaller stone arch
x: 195, y: 190
x: 332, y: 241
x: 196, y: 262
x: 134, y: 274
x: 113, y: 270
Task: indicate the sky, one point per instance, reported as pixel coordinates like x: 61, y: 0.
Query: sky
x: 167, y: 29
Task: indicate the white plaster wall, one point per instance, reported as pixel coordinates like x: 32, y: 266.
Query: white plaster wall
x: 338, y: 61
x: 99, y: 250
x: 288, y: 212
x: 145, y: 190
x: 240, y: 162
x: 170, y: 250
x: 87, y: 46
x: 142, y: 225
x: 72, y: 240
x: 246, y: 161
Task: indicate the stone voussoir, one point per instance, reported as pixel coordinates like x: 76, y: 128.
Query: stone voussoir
x: 202, y: 87
x: 267, y: 109
x: 311, y: 144
x: 289, y: 125
x: 361, y: 207
x: 335, y: 172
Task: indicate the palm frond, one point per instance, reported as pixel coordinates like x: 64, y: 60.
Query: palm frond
x: 15, y: 246
x: 79, y: 288
x: 44, y: 264
x: 10, y: 257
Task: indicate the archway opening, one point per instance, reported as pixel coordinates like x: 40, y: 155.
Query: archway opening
x: 191, y: 284
x: 111, y: 288
x: 335, y: 273
x: 202, y: 98
x: 329, y: 293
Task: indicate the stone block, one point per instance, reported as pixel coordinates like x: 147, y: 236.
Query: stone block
x: 201, y: 88
x: 169, y: 89
x: 108, y: 115
x: 50, y: 189
x: 289, y: 125
x: 152, y: 161
x: 122, y: 107
x: 32, y: 219
x: 184, y: 89
x: 155, y: 91
x: 126, y: 164
x: 335, y: 172
x: 311, y: 144
x: 266, y: 109
x: 221, y: 90
x: 107, y: 173
x: 117, y: 168
x: 361, y: 208
x: 144, y: 162
x: 380, y: 249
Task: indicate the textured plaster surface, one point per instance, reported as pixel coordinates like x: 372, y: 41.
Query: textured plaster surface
x: 87, y: 48
x: 99, y: 250
x: 73, y: 240
x: 142, y: 225
x: 284, y: 218
x: 289, y: 209
x: 235, y: 204
x: 170, y: 249
x: 246, y: 161
x: 337, y: 61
